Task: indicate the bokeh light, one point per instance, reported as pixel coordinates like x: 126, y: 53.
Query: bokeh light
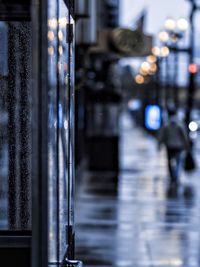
x: 139, y: 79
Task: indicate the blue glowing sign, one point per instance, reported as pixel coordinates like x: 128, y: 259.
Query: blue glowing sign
x: 152, y: 117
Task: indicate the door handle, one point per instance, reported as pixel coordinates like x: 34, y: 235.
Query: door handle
x: 72, y: 263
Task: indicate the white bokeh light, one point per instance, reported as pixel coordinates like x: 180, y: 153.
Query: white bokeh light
x: 193, y: 126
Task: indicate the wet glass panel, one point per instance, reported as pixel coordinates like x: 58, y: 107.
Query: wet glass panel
x: 15, y: 125
x: 63, y: 91
x: 59, y: 136
x: 53, y: 130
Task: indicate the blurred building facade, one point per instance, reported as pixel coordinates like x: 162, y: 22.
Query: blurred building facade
x: 97, y: 85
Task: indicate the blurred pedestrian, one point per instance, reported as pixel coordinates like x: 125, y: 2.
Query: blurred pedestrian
x: 175, y: 138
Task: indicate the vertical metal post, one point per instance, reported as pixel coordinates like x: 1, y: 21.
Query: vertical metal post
x: 168, y: 81
x: 71, y: 182
x: 191, y: 86
x: 158, y: 81
x: 40, y: 135
x: 175, y: 79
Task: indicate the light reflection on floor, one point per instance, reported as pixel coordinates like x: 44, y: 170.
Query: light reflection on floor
x: 129, y: 221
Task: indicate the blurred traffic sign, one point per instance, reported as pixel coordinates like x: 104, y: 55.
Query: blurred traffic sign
x: 152, y: 117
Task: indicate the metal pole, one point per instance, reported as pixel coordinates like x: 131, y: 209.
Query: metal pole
x: 158, y: 81
x: 191, y: 86
x: 168, y: 81
x: 175, y: 82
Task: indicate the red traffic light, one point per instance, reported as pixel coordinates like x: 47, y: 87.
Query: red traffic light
x: 193, y: 68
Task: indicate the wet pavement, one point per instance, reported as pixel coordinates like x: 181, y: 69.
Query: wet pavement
x: 131, y: 219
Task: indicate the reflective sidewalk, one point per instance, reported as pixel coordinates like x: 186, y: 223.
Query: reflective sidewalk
x: 128, y: 220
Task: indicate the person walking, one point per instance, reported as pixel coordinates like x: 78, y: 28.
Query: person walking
x: 175, y: 138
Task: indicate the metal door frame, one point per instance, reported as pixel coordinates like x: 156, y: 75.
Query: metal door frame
x: 39, y: 130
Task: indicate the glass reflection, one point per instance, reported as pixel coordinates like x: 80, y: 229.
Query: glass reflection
x: 63, y: 134
x: 52, y: 131
x: 60, y: 133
